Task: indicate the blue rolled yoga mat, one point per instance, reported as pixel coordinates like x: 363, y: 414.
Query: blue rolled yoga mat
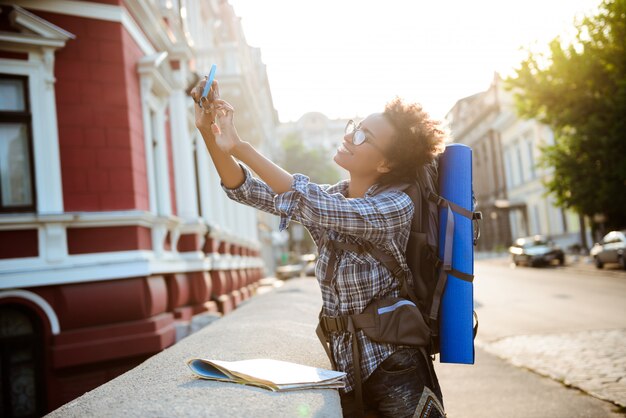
x: 457, y: 304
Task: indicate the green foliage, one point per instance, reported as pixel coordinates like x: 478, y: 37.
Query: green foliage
x: 314, y: 162
x: 579, y: 90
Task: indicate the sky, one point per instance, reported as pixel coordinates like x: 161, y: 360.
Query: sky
x: 347, y: 58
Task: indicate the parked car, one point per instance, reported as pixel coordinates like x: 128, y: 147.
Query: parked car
x: 308, y: 260
x: 612, y: 249
x: 536, y: 251
x: 288, y: 271
x: 305, y: 267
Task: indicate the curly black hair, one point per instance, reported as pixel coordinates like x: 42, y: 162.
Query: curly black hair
x: 418, y: 140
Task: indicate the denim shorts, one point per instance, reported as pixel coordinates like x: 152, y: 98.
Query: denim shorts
x: 401, y: 386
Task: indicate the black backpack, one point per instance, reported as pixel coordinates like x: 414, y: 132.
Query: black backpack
x: 429, y: 271
x: 412, y: 319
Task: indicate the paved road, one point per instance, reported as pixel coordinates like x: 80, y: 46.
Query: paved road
x: 521, y: 300
x: 565, y: 322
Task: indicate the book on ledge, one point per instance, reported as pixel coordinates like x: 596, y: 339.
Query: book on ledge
x: 269, y: 374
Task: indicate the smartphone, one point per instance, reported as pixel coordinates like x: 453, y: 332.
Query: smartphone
x: 209, y: 82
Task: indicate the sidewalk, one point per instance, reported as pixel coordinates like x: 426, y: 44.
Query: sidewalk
x: 593, y: 361
x: 494, y: 388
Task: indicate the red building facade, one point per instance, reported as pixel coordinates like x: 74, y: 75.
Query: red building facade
x: 111, y: 246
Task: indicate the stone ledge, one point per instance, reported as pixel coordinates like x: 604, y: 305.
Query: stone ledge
x: 279, y: 325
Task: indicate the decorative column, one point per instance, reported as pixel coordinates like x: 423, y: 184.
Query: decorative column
x: 154, y: 90
x: 182, y: 148
x: 218, y: 248
x: 206, y: 186
x: 46, y: 144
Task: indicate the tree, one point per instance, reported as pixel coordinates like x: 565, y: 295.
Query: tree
x: 579, y: 90
x: 314, y: 162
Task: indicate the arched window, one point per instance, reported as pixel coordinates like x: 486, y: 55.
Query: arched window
x: 21, y: 361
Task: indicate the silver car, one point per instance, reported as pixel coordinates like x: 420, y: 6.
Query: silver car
x: 612, y: 249
x: 536, y: 251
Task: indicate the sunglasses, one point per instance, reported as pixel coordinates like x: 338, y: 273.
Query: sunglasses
x: 359, y: 136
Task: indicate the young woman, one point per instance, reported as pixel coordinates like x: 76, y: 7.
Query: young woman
x: 384, y: 148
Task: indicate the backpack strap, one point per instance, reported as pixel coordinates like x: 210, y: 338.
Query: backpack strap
x: 475, y: 216
x: 384, y: 258
x: 446, y: 268
x: 356, y: 366
x: 396, y: 269
x: 332, y: 258
x: 443, y: 273
x: 328, y: 324
x: 322, y: 335
x: 443, y: 202
x: 348, y: 323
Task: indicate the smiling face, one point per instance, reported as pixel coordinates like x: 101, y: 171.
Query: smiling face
x: 367, y: 159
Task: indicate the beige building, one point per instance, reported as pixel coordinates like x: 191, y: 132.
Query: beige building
x: 219, y: 39
x: 507, y: 180
x: 471, y: 121
x: 531, y: 212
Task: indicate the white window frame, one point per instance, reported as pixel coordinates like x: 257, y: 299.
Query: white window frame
x: 155, y: 92
x: 39, y: 69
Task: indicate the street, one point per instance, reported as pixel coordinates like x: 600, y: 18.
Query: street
x: 568, y: 323
x: 522, y: 300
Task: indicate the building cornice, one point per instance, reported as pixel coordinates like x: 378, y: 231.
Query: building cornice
x: 150, y: 66
x: 91, y: 10
x: 85, y: 219
x: 81, y: 268
x: 504, y: 120
x: 25, y: 41
x: 33, y: 32
x: 26, y: 20
x: 460, y: 135
x: 155, y: 28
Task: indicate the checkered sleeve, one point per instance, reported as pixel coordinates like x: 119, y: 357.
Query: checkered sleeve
x: 375, y: 218
x: 253, y: 192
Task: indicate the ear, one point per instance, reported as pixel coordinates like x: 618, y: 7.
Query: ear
x: 383, y: 167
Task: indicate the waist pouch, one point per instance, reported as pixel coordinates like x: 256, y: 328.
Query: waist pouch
x: 393, y: 320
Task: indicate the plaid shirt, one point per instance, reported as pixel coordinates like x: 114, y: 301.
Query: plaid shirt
x: 383, y: 219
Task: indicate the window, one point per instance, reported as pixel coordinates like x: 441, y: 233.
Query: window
x: 154, y: 151
x: 196, y: 164
x: 531, y: 158
x: 520, y: 165
x: 16, y: 164
x: 21, y: 363
x: 536, y: 220
x: 507, y: 168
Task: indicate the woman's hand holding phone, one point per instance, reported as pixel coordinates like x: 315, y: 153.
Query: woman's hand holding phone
x: 215, y: 116
x: 205, y: 115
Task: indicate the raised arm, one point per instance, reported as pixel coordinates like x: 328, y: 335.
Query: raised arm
x: 215, y: 123
x: 375, y: 218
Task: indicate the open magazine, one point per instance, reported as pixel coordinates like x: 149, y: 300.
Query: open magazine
x: 269, y: 374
